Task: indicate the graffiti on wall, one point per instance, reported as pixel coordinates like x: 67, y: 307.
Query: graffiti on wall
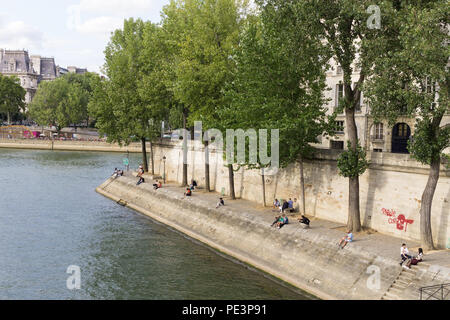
x: 399, y: 220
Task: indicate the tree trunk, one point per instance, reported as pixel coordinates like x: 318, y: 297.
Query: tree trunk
x: 231, y: 181
x: 9, y: 118
x: 152, y: 158
x: 207, y: 182
x: 302, y: 186
x: 425, y: 207
x: 354, y: 220
x: 185, y: 149
x: 263, y: 187
x: 144, y: 155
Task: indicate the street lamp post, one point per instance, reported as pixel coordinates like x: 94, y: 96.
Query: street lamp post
x: 164, y: 170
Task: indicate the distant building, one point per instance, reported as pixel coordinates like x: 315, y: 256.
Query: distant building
x: 73, y: 69
x: 31, y: 70
x: 18, y: 63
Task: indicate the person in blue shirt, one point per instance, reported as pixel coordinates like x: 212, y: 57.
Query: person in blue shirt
x: 348, y: 238
x: 291, y: 205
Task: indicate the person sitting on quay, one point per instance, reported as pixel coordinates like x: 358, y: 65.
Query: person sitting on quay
x: 296, y: 205
x: 276, y: 204
x: 157, y: 185
x: 115, y: 174
x: 415, y: 260
x: 193, y: 185
x: 140, y: 175
x: 282, y: 221
x: 304, y: 222
x: 188, y: 192
x: 276, y: 221
x: 220, y: 203
x: 285, y: 206
x: 348, y: 238
x: 291, y: 205
x: 404, y: 253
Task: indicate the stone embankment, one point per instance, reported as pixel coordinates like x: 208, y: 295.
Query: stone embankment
x: 69, y: 145
x: 308, y: 259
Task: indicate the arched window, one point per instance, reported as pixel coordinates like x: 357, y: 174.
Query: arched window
x: 378, y: 131
x: 400, y: 136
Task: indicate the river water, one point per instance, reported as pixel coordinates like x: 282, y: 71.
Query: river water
x: 52, y: 218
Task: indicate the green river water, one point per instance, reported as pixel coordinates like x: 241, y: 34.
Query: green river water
x: 52, y: 218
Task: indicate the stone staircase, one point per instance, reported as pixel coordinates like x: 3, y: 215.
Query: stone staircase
x: 397, y: 290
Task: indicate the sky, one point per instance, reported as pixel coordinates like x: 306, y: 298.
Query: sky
x: 74, y: 32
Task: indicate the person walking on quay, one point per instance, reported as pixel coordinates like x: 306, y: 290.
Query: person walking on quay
x: 140, y: 174
x: 348, y: 238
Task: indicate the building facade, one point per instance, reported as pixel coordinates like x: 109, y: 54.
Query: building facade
x: 374, y: 137
x: 31, y: 70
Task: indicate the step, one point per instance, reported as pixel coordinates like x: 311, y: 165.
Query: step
x: 406, y: 275
x: 395, y: 290
x: 402, y: 282
x: 398, y: 286
x: 390, y: 296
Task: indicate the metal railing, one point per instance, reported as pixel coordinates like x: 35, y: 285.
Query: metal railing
x: 437, y: 292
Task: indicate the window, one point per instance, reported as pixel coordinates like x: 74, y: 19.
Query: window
x: 430, y: 85
x: 378, y: 131
x: 339, y: 93
x: 402, y: 130
x: 338, y: 70
x: 358, y: 105
x: 339, y: 127
x: 377, y: 150
x: 337, y: 145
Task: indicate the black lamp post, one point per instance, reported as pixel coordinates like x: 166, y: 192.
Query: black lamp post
x: 164, y: 172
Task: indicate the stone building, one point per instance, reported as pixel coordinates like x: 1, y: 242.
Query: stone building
x: 31, y: 70
x: 375, y: 137
x: 18, y: 63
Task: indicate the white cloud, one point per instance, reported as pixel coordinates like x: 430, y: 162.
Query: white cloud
x: 20, y: 35
x: 100, y: 25
x: 121, y: 7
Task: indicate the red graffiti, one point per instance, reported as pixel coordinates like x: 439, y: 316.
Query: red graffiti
x: 400, y: 221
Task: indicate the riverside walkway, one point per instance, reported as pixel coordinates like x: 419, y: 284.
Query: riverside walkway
x: 366, y: 240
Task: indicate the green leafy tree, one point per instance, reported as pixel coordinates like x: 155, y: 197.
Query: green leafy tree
x: 280, y: 84
x: 411, y: 79
x: 121, y: 112
x: 152, y: 88
x: 86, y: 82
x: 52, y: 102
x: 12, y: 96
x: 341, y: 27
x: 203, y: 63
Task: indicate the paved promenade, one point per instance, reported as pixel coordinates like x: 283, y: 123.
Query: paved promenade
x: 368, y: 241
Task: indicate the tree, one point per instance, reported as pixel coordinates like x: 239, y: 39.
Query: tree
x: 204, y: 64
x: 12, y: 96
x: 153, y: 88
x: 411, y: 78
x: 341, y: 28
x: 279, y: 84
x: 176, y: 23
x: 121, y: 113
x: 86, y: 82
x: 55, y: 103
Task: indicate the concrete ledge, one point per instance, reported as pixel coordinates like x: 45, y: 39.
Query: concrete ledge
x: 312, y: 263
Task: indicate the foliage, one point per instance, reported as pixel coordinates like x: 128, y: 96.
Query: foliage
x: 352, y: 163
x: 12, y: 96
